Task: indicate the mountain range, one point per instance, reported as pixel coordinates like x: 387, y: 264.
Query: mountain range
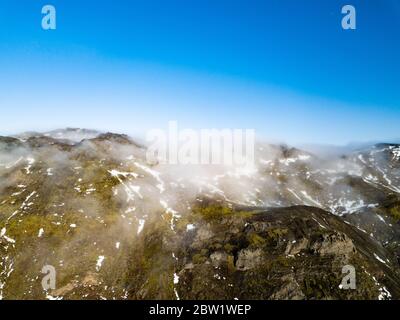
x: 115, y: 227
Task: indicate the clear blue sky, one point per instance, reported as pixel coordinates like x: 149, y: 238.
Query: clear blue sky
x: 285, y: 68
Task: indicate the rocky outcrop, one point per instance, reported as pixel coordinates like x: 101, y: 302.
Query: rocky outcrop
x: 285, y: 253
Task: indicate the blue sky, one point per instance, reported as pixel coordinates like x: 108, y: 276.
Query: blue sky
x: 284, y: 68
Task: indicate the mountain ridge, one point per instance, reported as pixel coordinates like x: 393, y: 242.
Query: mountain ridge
x: 103, y: 217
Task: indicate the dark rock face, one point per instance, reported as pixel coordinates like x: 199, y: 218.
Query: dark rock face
x: 46, y: 142
x: 112, y: 137
x: 286, y: 253
x: 9, y: 143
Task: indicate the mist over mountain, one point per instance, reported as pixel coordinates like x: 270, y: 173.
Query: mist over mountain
x: 330, y: 150
x: 115, y: 227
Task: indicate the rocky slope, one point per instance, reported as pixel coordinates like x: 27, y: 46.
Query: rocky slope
x: 115, y: 227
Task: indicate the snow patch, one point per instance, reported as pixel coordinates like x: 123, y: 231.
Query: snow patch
x: 99, y: 262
